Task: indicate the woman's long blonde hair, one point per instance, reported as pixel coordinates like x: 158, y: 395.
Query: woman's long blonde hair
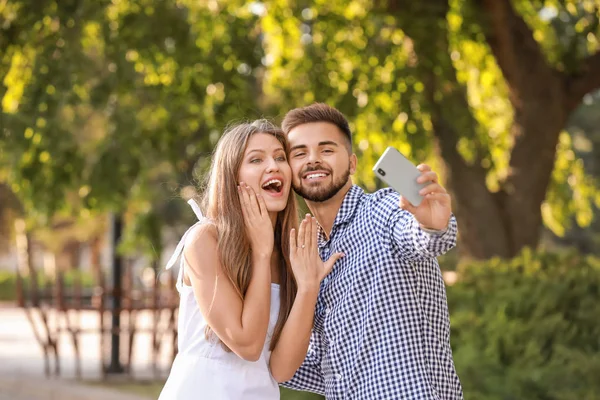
x: 222, y: 205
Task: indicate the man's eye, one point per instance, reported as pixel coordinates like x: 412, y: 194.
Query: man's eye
x: 327, y: 151
x: 299, y: 154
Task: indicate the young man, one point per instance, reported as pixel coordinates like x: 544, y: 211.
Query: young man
x: 381, y: 328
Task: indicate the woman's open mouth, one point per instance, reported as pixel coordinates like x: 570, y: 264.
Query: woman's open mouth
x: 273, y: 187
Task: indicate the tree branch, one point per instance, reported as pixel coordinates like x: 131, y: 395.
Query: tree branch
x: 514, y: 47
x: 583, y: 82
x: 536, y: 92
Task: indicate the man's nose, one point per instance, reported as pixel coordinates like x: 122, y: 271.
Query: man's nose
x: 314, y: 157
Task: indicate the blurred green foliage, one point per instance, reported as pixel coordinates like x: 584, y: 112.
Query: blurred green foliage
x: 8, y: 283
x: 107, y: 106
x: 7, y: 286
x: 116, y: 105
x: 99, y: 93
x: 584, y: 127
x: 395, y: 67
x: 527, y: 328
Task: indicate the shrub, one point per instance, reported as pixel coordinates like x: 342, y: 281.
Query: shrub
x: 528, y: 328
x: 8, y: 282
x: 7, y: 286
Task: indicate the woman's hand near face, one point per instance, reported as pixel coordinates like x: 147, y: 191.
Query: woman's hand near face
x: 259, y: 227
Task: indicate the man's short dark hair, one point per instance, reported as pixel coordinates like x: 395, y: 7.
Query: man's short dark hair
x: 317, y: 112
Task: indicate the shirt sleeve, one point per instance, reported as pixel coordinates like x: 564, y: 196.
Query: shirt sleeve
x: 416, y: 242
x: 407, y: 234
x: 309, y: 376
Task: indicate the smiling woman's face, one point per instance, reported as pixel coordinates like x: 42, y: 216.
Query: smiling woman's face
x: 266, y: 170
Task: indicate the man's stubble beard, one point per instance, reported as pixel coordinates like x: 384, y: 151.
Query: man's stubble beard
x: 321, y: 194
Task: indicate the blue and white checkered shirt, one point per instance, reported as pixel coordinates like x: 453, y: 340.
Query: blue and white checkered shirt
x: 382, y: 329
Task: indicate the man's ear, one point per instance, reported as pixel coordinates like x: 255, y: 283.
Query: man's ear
x: 353, y: 162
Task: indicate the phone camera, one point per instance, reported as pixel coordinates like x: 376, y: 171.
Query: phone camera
x: 381, y: 172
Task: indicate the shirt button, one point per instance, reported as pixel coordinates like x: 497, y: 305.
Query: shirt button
x: 326, y: 280
x: 338, y: 377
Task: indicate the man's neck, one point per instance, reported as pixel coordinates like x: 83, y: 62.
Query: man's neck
x: 326, y: 211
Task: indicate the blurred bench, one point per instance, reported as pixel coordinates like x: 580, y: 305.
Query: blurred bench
x: 54, y: 309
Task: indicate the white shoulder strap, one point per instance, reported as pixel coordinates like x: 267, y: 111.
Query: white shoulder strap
x: 181, y: 244
x: 196, y: 209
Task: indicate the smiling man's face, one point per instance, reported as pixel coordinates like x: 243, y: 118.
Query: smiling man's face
x: 320, y: 160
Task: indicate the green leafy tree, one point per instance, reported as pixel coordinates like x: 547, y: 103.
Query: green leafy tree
x: 97, y: 95
x: 487, y: 85
x: 100, y: 98
x: 584, y: 128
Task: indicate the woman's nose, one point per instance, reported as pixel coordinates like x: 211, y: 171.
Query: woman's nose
x: 272, y: 165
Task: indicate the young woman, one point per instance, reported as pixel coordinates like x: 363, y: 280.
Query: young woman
x: 249, y: 276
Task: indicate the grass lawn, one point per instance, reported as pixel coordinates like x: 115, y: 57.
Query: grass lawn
x: 287, y: 394
x: 150, y: 389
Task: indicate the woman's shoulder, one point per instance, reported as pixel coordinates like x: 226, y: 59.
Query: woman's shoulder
x: 202, y: 233
x: 200, y: 249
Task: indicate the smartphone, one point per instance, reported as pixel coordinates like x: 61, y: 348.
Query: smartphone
x: 401, y: 174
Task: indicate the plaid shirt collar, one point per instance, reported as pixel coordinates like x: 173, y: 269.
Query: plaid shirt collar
x: 345, y: 214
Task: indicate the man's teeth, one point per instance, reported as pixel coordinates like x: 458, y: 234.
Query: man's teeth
x: 276, y: 182
x: 313, y: 176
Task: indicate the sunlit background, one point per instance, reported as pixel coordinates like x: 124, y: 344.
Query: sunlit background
x: 110, y: 111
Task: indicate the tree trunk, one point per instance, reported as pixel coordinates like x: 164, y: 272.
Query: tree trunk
x: 504, y: 222
x: 537, y: 95
x: 495, y: 223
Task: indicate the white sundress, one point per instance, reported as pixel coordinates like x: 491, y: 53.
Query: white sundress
x: 203, y: 369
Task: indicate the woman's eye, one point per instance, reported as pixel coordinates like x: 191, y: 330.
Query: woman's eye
x: 280, y: 158
x: 255, y: 160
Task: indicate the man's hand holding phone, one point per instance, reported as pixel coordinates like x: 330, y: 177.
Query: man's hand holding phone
x: 436, y: 207
x: 419, y: 189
